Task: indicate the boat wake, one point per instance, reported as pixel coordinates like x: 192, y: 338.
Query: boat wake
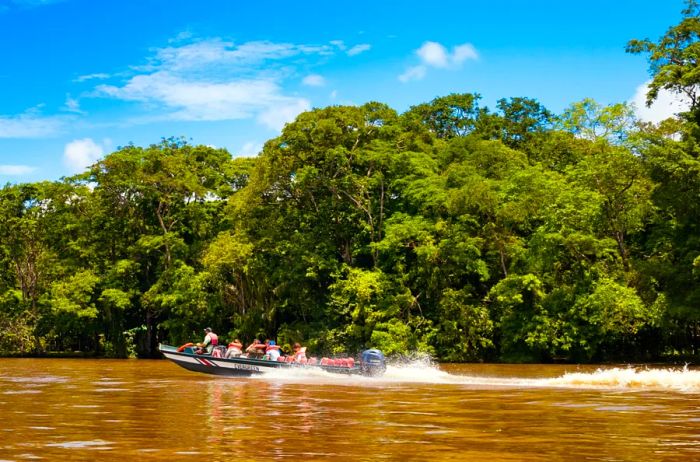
x: 678, y: 379
x: 423, y: 372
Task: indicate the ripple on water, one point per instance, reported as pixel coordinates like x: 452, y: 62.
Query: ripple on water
x: 623, y: 408
x: 35, y: 379
x: 88, y: 444
x: 22, y: 392
x: 102, y: 383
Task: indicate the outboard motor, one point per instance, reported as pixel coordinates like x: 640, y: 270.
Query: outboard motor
x: 373, y: 362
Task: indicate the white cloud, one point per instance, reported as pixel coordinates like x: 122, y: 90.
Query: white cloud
x: 250, y: 149
x: 433, y: 54
x: 80, y: 154
x: 666, y: 105
x: 357, y: 49
x: 314, y: 80
x: 275, y: 117
x: 30, y: 125
x: 16, y: 169
x: 199, y: 99
x: 226, y: 57
x: 213, y: 79
x: 436, y: 55
x: 334, y: 94
x: 97, y: 76
x: 463, y: 53
x: 338, y: 43
x: 413, y: 73
x: 182, y: 36
x: 72, y: 105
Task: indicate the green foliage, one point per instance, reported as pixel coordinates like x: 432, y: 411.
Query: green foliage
x: 359, y: 299
x: 446, y: 116
x: 449, y: 230
x: 465, y: 328
x: 16, y: 332
x: 591, y: 121
x: 673, y: 59
x: 394, y: 337
x: 614, y: 309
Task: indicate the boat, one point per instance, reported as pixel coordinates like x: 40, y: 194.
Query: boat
x: 371, y: 363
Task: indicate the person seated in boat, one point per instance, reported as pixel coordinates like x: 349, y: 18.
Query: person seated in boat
x: 235, y: 349
x: 299, y: 352
x: 256, y: 349
x: 209, y: 342
x: 272, y: 351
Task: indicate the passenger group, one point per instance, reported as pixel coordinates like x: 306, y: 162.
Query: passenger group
x: 258, y: 350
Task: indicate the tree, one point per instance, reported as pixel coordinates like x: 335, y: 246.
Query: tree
x: 449, y: 229
x: 674, y: 60
x: 154, y: 210
x: 447, y: 116
x: 592, y: 121
x: 675, y: 165
x: 519, y: 121
x: 27, y: 257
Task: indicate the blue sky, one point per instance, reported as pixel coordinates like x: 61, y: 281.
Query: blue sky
x: 79, y: 78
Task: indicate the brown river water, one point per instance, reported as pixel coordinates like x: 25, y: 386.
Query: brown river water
x: 122, y: 410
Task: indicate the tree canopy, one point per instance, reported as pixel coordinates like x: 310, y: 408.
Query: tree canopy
x: 466, y: 233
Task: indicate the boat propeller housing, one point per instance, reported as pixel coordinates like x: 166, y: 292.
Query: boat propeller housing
x: 373, y: 362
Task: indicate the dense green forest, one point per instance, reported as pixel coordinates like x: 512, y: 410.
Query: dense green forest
x: 462, y: 231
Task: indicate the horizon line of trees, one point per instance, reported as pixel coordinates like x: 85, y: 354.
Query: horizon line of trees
x: 451, y: 229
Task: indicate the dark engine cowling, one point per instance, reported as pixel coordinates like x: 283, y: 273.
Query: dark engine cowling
x: 373, y: 362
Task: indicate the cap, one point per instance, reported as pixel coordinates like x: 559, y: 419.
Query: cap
x: 207, y: 329
x: 272, y: 342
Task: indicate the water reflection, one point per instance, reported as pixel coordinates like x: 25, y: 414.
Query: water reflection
x: 153, y: 410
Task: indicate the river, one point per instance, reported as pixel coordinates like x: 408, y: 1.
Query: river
x: 121, y: 410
